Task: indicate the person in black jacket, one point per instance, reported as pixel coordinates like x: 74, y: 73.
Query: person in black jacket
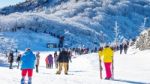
x: 10, y: 59
x: 63, y: 60
x: 18, y: 60
x: 121, y: 48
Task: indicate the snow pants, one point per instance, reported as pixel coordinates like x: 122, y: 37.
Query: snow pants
x: 108, y: 69
x: 61, y: 65
x: 25, y: 71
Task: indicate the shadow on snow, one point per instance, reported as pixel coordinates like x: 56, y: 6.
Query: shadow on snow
x: 130, y: 81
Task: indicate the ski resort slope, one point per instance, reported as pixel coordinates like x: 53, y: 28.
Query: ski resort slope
x: 130, y: 68
x: 22, y: 39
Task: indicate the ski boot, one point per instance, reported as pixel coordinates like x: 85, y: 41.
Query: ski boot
x: 30, y: 81
x: 22, y: 81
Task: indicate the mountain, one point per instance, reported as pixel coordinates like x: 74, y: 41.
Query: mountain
x: 30, y: 5
x: 84, y: 23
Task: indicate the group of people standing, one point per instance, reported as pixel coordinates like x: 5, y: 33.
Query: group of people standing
x: 28, y: 61
x: 49, y: 61
x: 124, y: 46
x: 60, y: 60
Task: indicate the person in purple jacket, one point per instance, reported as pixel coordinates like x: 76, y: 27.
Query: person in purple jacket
x: 50, y: 60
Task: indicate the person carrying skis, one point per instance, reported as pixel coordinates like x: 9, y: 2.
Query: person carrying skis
x: 27, y: 66
x: 100, y: 66
x: 107, y: 55
x: 37, y: 61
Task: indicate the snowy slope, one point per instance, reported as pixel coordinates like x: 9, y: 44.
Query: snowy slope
x: 132, y: 68
x: 23, y: 39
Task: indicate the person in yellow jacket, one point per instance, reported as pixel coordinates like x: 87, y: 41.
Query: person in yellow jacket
x: 107, y: 55
x: 100, y: 66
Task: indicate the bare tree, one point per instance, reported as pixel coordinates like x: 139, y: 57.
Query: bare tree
x: 116, y: 30
x: 142, y: 27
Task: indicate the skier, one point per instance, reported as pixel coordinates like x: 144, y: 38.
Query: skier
x: 18, y: 60
x: 63, y: 60
x: 37, y: 61
x: 107, y: 55
x: 10, y: 59
x: 27, y: 66
x: 55, y: 59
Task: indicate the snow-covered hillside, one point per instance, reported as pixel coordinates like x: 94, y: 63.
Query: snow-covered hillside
x: 23, y: 39
x: 82, y: 22
x: 131, y: 68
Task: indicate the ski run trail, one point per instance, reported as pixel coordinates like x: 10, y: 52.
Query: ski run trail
x: 130, y: 68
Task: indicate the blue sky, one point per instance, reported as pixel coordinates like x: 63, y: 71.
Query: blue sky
x: 4, y: 3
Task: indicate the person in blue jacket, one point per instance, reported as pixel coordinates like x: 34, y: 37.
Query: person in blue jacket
x: 27, y: 65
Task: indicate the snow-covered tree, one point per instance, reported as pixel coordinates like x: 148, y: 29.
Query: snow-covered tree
x: 7, y: 45
x: 143, y: 41
x: 116, y: 31
x: 105, y: 3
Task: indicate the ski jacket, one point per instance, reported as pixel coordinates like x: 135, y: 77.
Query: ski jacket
x: 28, y: 60
x: 107, y: 54
x: 50, y: 59
x: 100, y: 53
x: 18, y: 58
x: 63, y: 57
x: 10, y: 58
x: 55, y: 57
x: 46, y: 60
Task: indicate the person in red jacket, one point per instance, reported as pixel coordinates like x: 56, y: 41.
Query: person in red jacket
x: 46, y: 61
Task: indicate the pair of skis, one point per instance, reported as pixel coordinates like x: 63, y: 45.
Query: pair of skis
x: 100, y: 68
